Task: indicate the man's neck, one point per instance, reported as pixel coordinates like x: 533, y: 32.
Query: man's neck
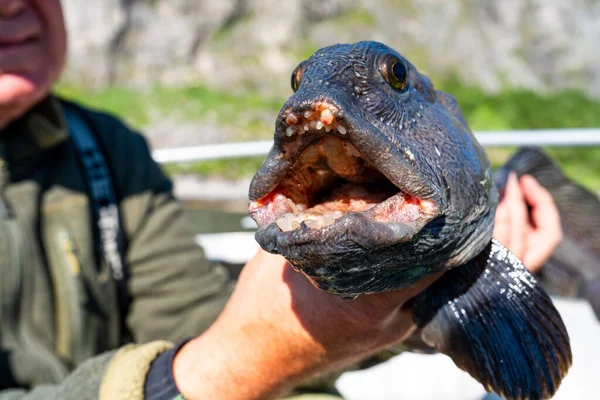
x: 8, y: 115
x: 41, y: 127
x: 15, y: 117
x: 11, y: 130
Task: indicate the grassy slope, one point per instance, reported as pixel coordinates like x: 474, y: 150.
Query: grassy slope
x: 251, y: 117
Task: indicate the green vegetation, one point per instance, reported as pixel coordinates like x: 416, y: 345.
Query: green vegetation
x: 524, y: 109
x: 228, y: 169
x: 248, y: 116
x: 355, y: 16
x: 197, y: 103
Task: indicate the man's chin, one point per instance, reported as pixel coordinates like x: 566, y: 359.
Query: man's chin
x: 18, y: 93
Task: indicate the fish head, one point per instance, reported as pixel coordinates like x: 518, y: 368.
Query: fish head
x: 374, y: 179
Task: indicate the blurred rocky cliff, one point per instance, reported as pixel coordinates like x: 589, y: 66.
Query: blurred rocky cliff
x: 255, y: 44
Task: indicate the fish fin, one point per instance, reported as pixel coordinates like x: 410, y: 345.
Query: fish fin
x: 496, y: 322
x: 532, y: 161
x: 591, y: 291
x: 415, y: 344
x: 559, y: 278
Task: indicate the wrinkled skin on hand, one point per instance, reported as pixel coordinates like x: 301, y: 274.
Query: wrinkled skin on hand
x: 278, y: 330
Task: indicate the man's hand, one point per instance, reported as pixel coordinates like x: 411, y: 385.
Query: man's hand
x: 527, y: 221
x: 278, y: 329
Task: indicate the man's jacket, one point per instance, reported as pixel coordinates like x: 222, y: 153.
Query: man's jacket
x: 61, y: 329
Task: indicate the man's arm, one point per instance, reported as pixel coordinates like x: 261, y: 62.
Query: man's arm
x: 278, y: 330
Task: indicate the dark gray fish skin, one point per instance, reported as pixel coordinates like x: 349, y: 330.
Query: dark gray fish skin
x: 486, y: 311
x: 419, y: 140
x: 575, y: 263
x: 524, y: 344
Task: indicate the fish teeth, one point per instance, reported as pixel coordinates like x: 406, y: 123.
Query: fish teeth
x: 326, y: 117
x: 291, y: 119
x: 289, y: 222
x: 312, y: 120
x: 314, y: 223
x: 292, y: 207
x: 330, y: 217
x: 285, y: 222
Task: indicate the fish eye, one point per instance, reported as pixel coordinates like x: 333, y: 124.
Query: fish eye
x: 395, y: 72
x: 297, y: 76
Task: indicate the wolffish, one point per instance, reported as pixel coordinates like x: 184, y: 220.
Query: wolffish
x: 375, y: 182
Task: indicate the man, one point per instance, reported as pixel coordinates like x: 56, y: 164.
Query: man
x: 69, y: 303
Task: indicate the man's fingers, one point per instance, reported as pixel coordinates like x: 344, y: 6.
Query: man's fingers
x: 519, y: 218
x: 546, y: 228
x: 502, y: 224
x: 544, y: 213
x: 534, y: 192
x: 511, y: 218
x: 531, y: 236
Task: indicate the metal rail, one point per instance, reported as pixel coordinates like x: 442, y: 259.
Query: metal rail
x: 537, y: 137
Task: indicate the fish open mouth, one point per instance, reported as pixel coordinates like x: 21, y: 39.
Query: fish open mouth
x: 327, y: 186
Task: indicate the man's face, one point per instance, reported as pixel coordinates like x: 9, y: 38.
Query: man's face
x: 32, y: 53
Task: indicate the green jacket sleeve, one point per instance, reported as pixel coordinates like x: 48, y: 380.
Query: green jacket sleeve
x: 175, y: 292
x: 115, y: 375
x: 83, y: 383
